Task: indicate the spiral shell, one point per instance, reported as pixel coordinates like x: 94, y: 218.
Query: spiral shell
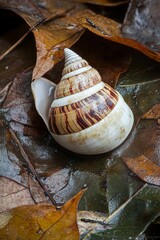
x: 87, y: 115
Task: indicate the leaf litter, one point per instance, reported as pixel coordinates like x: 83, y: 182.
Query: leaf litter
x: 45, y: 221
x: 128, y: 204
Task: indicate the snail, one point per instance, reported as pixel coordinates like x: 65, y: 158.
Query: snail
x: 87, y: 116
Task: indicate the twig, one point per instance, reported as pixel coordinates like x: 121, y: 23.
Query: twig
x: 30, y: 190
x: 31, y: 168
x: 21, y: 39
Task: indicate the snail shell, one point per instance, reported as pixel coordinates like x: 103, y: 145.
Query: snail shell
x: 87, y: 116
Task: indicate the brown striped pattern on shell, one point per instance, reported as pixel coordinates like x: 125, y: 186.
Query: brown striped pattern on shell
x: 74, y: 66
x: 77, y: 83
x: 80, y: 115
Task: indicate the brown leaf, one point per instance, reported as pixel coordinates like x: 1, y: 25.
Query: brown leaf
x: 59, y: 28
x: 144, y: 169
x: 53, y: 37
x: 111, y: 30
x: 41, y: 222
x: 21, y: 112
x: 109, y: 3
x: 153, y: 113
x: 13, y: 194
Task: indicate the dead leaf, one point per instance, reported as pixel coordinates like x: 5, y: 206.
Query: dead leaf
x: 41, y: 222
x: 144, y: 169
x: 59, y: 28
x: 111, y: 30
x: 142, y: 23
x: 109, y: 3
x: 13, y: 194
x: 21, y: 113
x: 50, y: 45
x: 153, y: 113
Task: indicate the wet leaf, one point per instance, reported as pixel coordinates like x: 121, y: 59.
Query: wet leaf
x: 21, y: 114
x: 13, y: 194
x: 142, y: 23
x: 144, y: 169
x: 57, y: 17
x: 111, y: 30
x: 109, y: 3
x: 50, y: 45
x: 153, y: 113
x: 41, y: 221
x: 118, y: 177
x: 125, y: 222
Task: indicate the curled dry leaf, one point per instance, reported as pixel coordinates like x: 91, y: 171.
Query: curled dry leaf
x: 41, y: 222
x: 109, y: 3
x: 153, y: 113
x: 111, y: 30
x: 144, y: 169
x: 58, y: 28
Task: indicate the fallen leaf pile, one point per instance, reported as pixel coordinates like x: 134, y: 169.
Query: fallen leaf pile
x: 41, y: 183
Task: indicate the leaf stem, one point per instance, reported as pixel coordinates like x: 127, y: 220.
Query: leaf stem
x: 21, y: 39
x: 31, y: 167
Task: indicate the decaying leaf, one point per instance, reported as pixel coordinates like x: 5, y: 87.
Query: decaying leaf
x: 142, y: 22
x: 111, y: 30
x: 59, y: 28
x: 21, y: 114
x: 41, y: 222
x: 109, y: 3
x: 126, y: 222
x: 153, y: 113
x: 13, y: 194
x: 144, y: 169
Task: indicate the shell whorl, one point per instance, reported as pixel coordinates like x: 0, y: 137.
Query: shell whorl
x: 81, y: 98
x: 77, y: 76
x: 74, y: 64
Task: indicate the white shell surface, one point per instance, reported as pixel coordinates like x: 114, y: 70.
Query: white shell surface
x: 102, y: 137
x: 43, y: 93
